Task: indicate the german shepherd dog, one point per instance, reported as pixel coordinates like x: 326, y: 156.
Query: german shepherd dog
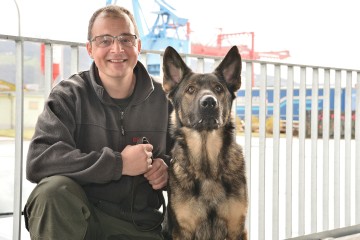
x: 207, y: 189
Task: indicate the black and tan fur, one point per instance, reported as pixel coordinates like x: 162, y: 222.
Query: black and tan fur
x: 207, y: 190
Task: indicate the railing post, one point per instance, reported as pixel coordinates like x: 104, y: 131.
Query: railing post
x: 326, y: 154
x: 276, y: 153
x: 289, y: 151
x: 262, y: 148
x: 248, y: 126
x: 314, y: 148
x: 48, y: 69
x: 18, y: 140
x: 348, y: 136
x: 357, y: 153
x: 74, y: 59
x: 302, y: 131
x: 200, y: 66
x: 337, y: 136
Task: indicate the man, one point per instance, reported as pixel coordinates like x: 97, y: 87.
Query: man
x: 94, y: 180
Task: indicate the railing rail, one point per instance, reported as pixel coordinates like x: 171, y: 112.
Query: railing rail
x: 300, y: 182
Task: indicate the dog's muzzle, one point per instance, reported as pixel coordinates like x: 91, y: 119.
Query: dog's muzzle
x: 208, y: 113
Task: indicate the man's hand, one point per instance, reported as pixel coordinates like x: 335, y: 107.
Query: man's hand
x: 157, y: 174
x: 136, y: 159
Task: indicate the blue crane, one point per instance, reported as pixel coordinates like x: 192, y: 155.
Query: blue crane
x: 167, y: 30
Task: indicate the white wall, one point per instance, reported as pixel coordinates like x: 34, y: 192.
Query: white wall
x: 33, y: 106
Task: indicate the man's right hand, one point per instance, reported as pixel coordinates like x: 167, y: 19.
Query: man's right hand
x: 136, y: 159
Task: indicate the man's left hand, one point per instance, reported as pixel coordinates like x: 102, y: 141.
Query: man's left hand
x: 157, y: 174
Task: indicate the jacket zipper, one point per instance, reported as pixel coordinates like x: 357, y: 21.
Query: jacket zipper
x: 122, y: 123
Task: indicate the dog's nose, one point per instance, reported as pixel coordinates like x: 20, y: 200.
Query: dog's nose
x: 208, y: 101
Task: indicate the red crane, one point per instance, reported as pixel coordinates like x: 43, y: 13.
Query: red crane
x: 247, y: 50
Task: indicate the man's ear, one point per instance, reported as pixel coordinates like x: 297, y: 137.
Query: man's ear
x: 139, y: 46
x: 89, y: 49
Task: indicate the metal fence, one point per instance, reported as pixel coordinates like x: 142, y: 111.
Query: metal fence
x: 302, y: 166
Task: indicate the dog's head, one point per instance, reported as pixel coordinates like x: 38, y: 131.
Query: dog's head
x: 201, y: 101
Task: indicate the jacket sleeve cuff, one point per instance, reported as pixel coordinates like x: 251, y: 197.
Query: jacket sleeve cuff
x: 118, y: 166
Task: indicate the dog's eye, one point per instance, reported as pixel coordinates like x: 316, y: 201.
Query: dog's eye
x: 190, y: 89
x: 218, y: 88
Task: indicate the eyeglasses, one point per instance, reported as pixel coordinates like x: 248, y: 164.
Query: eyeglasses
x: 125, y: 40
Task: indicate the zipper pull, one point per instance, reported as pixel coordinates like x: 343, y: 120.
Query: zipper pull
x: 122, y: 123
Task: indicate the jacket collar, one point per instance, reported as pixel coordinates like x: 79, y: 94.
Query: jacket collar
x: 143, y: 88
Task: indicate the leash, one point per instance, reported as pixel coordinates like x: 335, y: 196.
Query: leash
x: 135, y: 185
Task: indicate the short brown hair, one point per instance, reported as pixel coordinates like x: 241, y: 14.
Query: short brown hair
x: 111, y: 11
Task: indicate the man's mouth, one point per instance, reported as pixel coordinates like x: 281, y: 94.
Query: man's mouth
x: 117, y: 60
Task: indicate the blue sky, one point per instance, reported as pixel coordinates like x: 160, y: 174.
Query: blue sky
x: 315, y: 32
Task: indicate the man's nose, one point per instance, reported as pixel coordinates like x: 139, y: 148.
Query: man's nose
x: 116, y: 46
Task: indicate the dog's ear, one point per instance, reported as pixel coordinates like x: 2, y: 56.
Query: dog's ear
x: 230, y: 69
x: 174, y: 69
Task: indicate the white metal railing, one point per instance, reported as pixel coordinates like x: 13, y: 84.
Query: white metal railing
x: 303, y: 181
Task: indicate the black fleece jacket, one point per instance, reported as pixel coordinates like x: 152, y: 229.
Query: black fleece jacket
x: 81, y: 132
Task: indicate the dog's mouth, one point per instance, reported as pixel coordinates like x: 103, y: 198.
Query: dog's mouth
x: 207, y: 124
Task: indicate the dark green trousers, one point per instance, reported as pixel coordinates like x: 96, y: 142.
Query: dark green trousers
x: 58, y: 209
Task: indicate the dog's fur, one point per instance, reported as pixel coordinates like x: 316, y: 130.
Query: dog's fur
x: 207, y: 190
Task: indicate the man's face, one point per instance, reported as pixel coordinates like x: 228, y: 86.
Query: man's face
x: 115, y: 60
